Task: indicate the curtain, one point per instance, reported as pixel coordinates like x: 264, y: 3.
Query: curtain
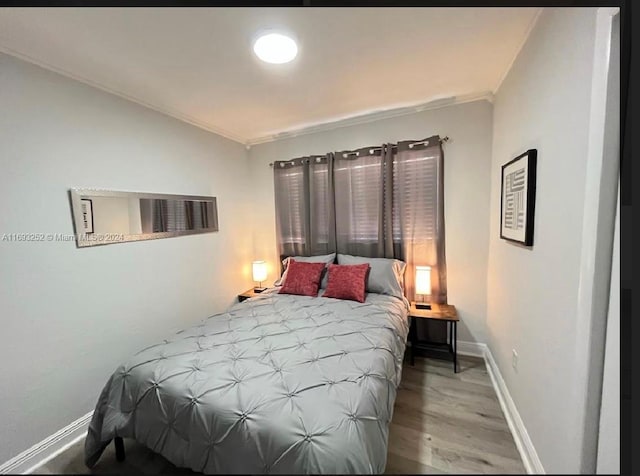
x: 291, y: 196
x: 322, y: 226
x: 196, y: 215
x: 385, y: 201
x: 163, y: 215
x: 159, y: 222
x: 305, y: 209
x: 418, y: 213
x: 173, y: 215
x: 358, y: 177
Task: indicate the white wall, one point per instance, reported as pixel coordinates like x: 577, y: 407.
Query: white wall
x: 533, y: 294
x: 609, y: 431
x: 70, y: 316
x: 467, y: 182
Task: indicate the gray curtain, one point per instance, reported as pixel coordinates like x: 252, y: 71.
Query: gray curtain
x: 305, y: 221
x: 359, y: 200
x: 162, y: 215
x: 322, y: 226
x: 418, y: 213
x: 291, y: 194
x: 383, y: 201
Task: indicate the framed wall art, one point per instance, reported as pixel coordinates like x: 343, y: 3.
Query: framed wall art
x: 518, y: 198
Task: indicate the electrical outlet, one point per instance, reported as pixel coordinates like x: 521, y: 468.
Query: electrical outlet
x: 514, y: 359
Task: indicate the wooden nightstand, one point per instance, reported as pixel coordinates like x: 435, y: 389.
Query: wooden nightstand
x: 249, y: 293
x: 438, y: 312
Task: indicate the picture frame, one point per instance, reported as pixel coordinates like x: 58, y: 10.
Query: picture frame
x: 518, y: 198
x: 87, y: 215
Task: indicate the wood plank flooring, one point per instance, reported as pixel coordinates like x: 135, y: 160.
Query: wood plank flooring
x: 442, y: 423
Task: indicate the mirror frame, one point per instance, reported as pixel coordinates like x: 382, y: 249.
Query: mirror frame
x: 84, y: 240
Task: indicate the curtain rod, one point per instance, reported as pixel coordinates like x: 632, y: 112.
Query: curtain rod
x: 394, y: 146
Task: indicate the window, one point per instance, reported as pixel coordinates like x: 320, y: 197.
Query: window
x: 375, y: 202
x: 303, y: 205
x: 358, y: 185
x: 415, y: 194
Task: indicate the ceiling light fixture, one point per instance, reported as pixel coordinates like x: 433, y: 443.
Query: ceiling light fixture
x: 275, y: 48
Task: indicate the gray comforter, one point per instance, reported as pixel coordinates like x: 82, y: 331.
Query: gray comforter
x: 276, y: 384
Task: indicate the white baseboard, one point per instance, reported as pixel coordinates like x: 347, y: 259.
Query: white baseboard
x: 530, y: 459
x: 27, y: 461
x: 523, y: 442
x: 473, y: 349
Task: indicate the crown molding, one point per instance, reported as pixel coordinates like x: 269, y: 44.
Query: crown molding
x: 321, y: 126
x: 163, y: 110
x: 371, y: 117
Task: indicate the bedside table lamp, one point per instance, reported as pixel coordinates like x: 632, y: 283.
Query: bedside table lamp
x: 259, y: 269
x: 423, y: 286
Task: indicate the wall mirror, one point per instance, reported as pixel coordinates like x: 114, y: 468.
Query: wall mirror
x: 102, y: 217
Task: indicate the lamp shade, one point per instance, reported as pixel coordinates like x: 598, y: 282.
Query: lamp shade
x: 423, y: 280
x: 259, y: 271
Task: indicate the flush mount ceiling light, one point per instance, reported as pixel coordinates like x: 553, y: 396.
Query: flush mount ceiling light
x: 275, y: 48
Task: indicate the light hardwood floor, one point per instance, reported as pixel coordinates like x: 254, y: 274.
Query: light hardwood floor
x: 442, y: 423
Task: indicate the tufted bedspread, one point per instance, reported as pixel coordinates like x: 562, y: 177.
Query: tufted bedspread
x: 276, y: 384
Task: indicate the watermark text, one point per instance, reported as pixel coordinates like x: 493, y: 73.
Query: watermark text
x: 31, y: 237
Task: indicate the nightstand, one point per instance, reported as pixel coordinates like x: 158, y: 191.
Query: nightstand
x: 438, y: 312
x: 249, y: 293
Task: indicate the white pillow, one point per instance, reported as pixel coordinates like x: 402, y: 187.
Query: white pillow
x: 327, y: 259
x: 386, y: 275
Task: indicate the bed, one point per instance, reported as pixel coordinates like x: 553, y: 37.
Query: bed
x: 277, y: 384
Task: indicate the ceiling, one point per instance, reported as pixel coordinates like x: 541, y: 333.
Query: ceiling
x: 197, y: 64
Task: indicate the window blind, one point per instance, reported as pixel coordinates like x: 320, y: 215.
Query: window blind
x: 357, y: 189
x: 291, y: 206
x: 320, y: 203
x: 415, y: 193
x: 358, y: 195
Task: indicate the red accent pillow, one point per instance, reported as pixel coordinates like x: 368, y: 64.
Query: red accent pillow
x: 347, y: 281
x: 302, y: 278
